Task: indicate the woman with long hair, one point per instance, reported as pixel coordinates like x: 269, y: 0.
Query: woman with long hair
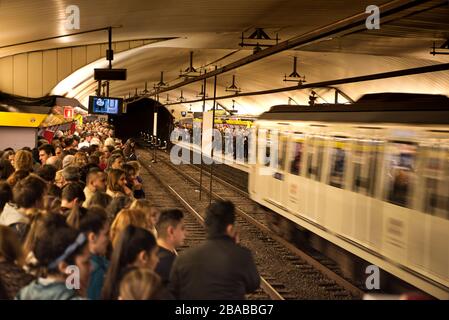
x: 129, y: 150
x: 115, y: 161
x: 80, y: 159
x: 117, y: 184
x: 136, y: 247
x: 36, y: 231
x: 23, y: 160
x: 95, y: 226
x: 57, y: 251
x: 125, y: 218
x: 151, y: 213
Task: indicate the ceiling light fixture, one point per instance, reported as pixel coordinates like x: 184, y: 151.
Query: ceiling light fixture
x: 190, y: 72
x: 202, y: 93
x: 161, y: 83
x: 181, y: 98
x: 444, y: 46
x: 294, y: 76
x: 233, y: 87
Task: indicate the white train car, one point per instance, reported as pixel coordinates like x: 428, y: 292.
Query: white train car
x: 372, y: 178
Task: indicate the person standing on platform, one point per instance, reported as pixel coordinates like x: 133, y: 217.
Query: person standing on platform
x: 219, y: 268
x: 45, y: 152
x: 95, y: 182
x: 171, y: 234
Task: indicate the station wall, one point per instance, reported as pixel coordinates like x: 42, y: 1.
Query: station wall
x: 35, y: 74
x: 17, y: 137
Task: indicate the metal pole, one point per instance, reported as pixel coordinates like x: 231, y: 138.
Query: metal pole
x: 202, y: 126
x: 155, y: 124
x: 57, y: 37
x: 212, y: 150
x: 99, y: 88
x: 109, y: 56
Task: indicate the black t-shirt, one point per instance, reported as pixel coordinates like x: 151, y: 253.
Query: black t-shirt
x: 166, y: 259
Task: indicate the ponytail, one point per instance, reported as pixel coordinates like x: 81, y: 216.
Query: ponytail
x: 76, y: 214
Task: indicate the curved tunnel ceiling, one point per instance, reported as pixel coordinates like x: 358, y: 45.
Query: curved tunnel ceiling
x: 211, y: 29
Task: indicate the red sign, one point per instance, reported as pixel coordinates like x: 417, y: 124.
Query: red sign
x: 68, y: 113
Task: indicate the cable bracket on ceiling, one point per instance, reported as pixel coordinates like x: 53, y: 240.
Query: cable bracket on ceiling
x: 259, y: 39
x: 444, y: 47
x: 233, y: 87
x: 295, y: 76
x: 190, y: 72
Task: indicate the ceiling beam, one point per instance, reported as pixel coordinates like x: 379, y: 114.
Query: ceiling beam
x: 325, y: 84
x: 389, y: 11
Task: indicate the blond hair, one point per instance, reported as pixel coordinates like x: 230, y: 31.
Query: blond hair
x: 125, y: 218
x: 150, y: 212
x: 23, y: 160
x: 140, y: 284
x: 135, y: 165
x: 80, y: 159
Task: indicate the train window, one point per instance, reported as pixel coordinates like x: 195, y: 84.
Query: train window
x: 364, y: 160
x: 282, y: 151
x: 268, y: 144
x: 263, y: 147
x: 400, y: 173
x: 253, y: 146
x: 436, y: 184
x: 315, y: 148
x: 338, y: 163
x: 297, y: 155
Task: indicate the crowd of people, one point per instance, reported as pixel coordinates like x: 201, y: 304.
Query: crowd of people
x: 234, y: 138
x: 76, y: 223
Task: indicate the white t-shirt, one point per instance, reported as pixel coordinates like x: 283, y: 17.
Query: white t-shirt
x: 83, y: 144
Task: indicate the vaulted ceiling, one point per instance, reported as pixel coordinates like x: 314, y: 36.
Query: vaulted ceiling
x: 212, y: 30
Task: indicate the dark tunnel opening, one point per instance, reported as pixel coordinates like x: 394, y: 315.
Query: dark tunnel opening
x: 140, y: 118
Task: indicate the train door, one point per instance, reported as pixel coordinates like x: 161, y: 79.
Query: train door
x: 434, y: 204
x: 277, y: 178
x: 364, y: 162
x: 436, y: 186
x: 313, y: 171
x: 400, y: 180
x: 334, y: 189
x: 296, y: 191
x: 263, y: 171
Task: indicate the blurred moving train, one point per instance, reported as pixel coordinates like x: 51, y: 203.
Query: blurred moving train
x: 371, y: 178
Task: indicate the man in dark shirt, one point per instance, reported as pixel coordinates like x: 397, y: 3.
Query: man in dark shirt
x: 219, y: 268
x: 170, y: 235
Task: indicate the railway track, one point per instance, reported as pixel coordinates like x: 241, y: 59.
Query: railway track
x: 194, y: 224
x: 297, y: 275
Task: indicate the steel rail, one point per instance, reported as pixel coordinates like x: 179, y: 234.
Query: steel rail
x: 264, y: 284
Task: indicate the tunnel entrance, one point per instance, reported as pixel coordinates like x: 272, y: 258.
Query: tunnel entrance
x: 140, y: 117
